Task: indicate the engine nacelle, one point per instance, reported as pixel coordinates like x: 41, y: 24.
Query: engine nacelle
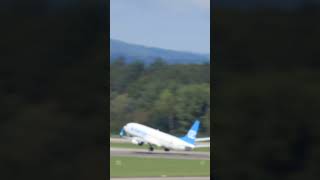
x: 136, y: 141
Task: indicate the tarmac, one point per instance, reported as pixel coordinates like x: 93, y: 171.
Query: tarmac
x: 129, y: 152
x: 164, y: 178
x: 119, y: 140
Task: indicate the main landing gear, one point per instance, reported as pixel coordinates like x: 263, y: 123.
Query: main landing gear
x: 151, y: 148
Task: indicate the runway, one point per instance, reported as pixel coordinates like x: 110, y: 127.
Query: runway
x: 119, y: 140
x: 164, y: 178
x: 159, y: 154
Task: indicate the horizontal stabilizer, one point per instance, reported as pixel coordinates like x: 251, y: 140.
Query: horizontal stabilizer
x: 202, y: 145
x: 202, y: 139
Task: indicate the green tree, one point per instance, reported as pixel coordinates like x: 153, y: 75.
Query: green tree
x: 193, y: 101
x: 118, y: 111
x: 164, y: 109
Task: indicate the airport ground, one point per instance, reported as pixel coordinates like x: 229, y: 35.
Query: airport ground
x: 128, y: 162
x: 123, y: 143
x: 144, y: 153
x: 157, y: 167
x: 164, y: 178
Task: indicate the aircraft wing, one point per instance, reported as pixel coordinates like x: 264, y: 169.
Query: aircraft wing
x: 202, y: 139
x: 134, y: 140
x: 152, y: 141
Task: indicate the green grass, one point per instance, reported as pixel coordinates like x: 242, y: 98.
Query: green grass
x: 128, y: 145
x: 143, y: 167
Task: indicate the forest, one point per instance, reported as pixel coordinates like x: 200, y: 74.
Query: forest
x: 167, y: 97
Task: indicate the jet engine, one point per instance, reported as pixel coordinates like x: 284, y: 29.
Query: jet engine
x: 137, y: 141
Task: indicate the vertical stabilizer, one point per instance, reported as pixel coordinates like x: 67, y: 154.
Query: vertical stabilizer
x: 192, y: 133
x: 122, y: 132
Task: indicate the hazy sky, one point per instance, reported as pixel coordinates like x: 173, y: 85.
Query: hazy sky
x: 171, y: 24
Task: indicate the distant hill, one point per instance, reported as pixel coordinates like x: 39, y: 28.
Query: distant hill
x: 132, y: 52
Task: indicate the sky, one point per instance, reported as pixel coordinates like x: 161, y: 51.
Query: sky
x: 182, y: 25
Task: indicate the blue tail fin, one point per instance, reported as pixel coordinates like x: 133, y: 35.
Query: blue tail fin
x: 122, y: 132
x: 192, y: 133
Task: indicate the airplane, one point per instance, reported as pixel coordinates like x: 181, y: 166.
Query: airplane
x: 140, y: 134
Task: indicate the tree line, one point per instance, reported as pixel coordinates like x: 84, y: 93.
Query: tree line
x: 166, y: 96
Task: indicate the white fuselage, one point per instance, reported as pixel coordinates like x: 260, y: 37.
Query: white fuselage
x: 155, y: 137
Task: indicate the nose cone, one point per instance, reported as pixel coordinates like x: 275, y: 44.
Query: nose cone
x: 126, y: 127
